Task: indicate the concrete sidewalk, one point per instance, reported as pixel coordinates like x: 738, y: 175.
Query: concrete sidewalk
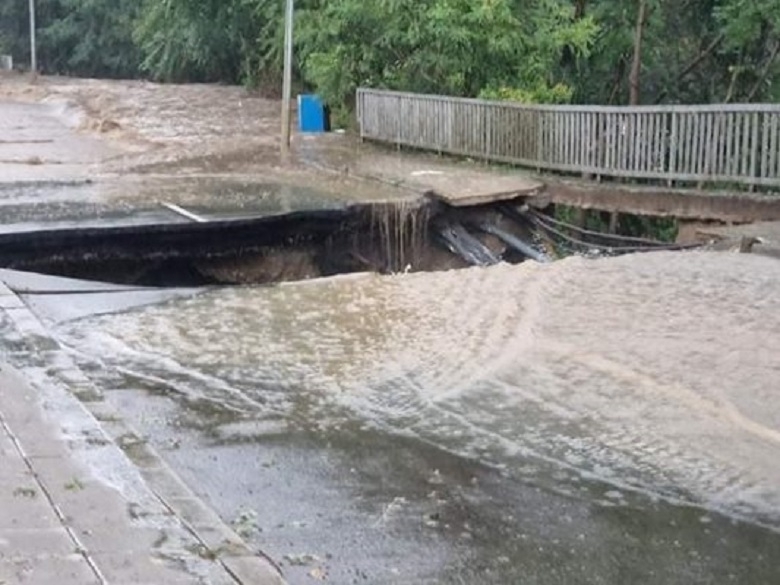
x: 74, y: 508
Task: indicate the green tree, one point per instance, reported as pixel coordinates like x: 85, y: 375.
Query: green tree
x: 456, y: 47
x: 549, y: 51
x: 692, y: 51
x: 751, y: 29
x: 210, y: 40
x: 15, y: 31
x: 93, y: 38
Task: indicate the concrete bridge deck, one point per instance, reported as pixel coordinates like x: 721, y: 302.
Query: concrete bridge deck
x: 464, y: 182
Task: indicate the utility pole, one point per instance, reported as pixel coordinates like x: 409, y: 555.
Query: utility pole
x: 287, y: 81
x: 33, y: 52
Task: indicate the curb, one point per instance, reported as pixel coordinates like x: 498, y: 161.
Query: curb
x: 28, y: 341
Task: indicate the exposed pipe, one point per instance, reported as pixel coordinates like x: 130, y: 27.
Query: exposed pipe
x: 613, y: 237
x: 461, y: 242
x: 514, y: 242
x: 534, y: 216
x: 609, y: 249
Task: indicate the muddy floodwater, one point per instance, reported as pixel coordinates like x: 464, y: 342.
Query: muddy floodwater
x: 609, y: 421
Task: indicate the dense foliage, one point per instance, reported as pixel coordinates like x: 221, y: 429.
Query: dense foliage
x: 590, y: 51
x: 692, y: 51
x: 75, y: 37
x: 457, y: 47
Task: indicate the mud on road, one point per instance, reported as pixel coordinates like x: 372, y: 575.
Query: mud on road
x: 161, y: 125
x: 579, y: 422
x: 582, y: 422
x: 83, y: 150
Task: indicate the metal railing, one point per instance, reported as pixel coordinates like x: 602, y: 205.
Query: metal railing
x: 711, y: 144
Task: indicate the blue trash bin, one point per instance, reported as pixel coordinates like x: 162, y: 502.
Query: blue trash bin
x: 312, y: 114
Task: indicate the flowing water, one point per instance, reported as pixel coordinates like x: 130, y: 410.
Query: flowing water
x: 606, y: 421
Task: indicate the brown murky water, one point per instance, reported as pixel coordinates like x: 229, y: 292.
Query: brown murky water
x: 608, y: 421
x: 560, y: 423
x: 74, y: 150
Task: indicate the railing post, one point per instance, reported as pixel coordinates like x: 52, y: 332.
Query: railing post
x: 672, y: 149
x: 754, y: 151
x: 774, y: 146
x: 600, y: 143
x: 765, y: 132
x: 359, y: 113
x: 540, y: 121
x: 398, y: 117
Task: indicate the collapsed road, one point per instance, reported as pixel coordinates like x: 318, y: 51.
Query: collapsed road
x: 394, y: 428
x: 390, y: 429
x: 380, y: 237
x: 577, y: 421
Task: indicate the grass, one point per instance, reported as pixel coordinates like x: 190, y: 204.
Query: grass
x: 74, y: 485
x: 24, y: 492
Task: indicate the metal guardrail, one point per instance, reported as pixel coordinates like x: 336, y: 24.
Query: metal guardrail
x: 718, y: 144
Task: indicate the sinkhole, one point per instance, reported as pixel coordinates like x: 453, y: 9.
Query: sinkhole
x: 407, y: 236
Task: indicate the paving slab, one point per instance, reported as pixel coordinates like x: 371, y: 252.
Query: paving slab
x: 23, y: 505
x: 245, y: 568
x: 141, y: 567
x: 8, y: 453
x: 64, y: 570
x: 75, y: 509
x: 459, y: 185
x: 30, y: 543
x: 10, y: 302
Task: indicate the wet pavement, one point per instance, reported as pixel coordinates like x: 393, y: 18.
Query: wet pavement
x: 459, y: 183
x: 582, y: 422
x: 95, y: 152
x: 142, y: 200
x: 74, y: 509
x: 38, y: 143
x: 83, y: 156
x: 401, y: 430
x: 88, y: 205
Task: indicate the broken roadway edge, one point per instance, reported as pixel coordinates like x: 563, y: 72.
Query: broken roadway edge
x: 82, y: 498
x: 462, y: 183
x: 457, y: 184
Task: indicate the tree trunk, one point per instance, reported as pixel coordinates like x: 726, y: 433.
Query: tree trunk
x: 579, y: 9
x: 764, y: 73
x: 634, y: 97
x: 620, y: 72
x: 733, y: 85
x: 693, y: 65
